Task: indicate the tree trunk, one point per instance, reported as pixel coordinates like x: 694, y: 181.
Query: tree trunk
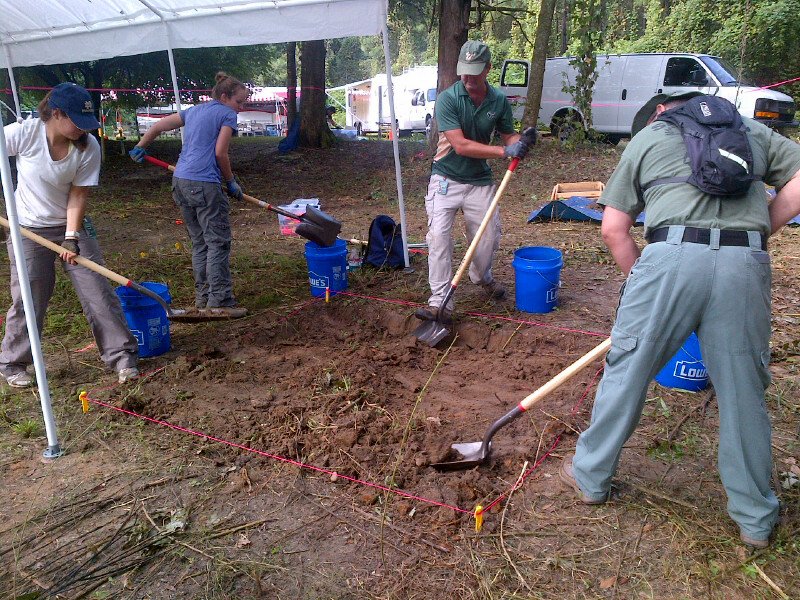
x: 291, y: 84
x: 538, y: 63
x: 314, y: 132
x: 453, y: 30
x: 565, y: 28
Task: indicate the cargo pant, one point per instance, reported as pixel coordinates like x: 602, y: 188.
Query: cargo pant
x: 117, y: 346
x: 444, y: 199
x: 723, y: 293
x: 205, y: 209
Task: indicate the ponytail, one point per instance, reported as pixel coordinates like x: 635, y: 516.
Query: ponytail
x: 226, y: 85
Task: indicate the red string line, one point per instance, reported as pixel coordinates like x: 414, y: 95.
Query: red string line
x: 277, y: 457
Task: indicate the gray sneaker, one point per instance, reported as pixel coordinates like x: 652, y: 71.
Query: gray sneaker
x: 567, y: 477
x: 495, y: 290
x: 125, y: 375
x: 19, y: 380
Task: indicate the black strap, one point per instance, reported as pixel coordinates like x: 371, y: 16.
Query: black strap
x: 663, y: 180
x: 695, y: 235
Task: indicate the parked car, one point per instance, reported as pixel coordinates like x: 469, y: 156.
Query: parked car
x: 626, y: 81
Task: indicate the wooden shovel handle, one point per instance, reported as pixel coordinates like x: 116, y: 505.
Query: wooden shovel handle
x: 165, y: 165
x: 465, y: 262
x: 84, y: 262
x: 557, y: 381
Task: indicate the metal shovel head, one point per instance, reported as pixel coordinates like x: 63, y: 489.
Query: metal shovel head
x: 323, y: 227
x: 431, y: 332
x: 194, y: 315
x: 471, y: 455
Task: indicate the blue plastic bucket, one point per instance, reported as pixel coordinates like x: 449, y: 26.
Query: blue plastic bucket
x: 327, y: 267
x: 537, y: 272
x: 146, y: 318
x: 685, y: 370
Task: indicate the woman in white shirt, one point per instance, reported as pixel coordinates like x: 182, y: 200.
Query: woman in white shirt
x: 57, y: 163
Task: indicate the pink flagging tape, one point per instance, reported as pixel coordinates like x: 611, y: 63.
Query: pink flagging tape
x: 277, y: 457
x: 86, y: 347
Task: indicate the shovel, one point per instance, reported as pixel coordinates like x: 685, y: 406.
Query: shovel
x: 316, y: 226
x: 182, y: 316
x: 476, y: 453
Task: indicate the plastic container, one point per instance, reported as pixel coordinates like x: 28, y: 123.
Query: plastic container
x: 288, y: 225
x: 537, y: 273
x: 146, y: 318
x: 685, y: 370
x: 327, y: 267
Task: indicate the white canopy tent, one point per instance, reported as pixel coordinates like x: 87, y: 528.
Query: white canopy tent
x: 66, y: 31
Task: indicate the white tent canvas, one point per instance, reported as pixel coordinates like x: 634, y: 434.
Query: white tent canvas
x: 65, y: 31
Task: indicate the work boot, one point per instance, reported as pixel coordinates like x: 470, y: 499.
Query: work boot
x: 126, y: 374
x: 431, y: 313
x: 495, y: 290
x: 755, y: 543
x: 232, y: 312
x: 19, y: 380
x: 567, y: 477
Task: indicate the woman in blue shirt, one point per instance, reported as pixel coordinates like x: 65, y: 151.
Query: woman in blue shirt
x: 202, y: 166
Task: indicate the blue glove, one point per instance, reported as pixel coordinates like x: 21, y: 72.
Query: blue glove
x: 233, y: 189
x: 137, y: 154
x: 516, y: 150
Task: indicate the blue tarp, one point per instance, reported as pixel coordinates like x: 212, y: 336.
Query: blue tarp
x: 576, y: 208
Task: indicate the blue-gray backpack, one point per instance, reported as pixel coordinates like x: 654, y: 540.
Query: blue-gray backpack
x: 385, y: 244
x: 717, y: 146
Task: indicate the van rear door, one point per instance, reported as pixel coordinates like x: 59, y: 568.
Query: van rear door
x: 514, y: 84
x: 640, y: 82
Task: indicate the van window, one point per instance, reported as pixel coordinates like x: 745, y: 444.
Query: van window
x: 721, y: 70
x: 685, y: 72
x: 432, y: 95
x: 515, y: 73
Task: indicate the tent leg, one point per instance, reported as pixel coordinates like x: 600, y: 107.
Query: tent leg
x: 12, y: 82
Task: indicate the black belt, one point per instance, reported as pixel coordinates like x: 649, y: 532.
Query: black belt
x: 727, y: 237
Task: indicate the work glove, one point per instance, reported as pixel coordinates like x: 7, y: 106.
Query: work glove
x: 234, y: 189
x: 137, y: 154
x: 71, y: 245
x: 529, y: 136
x: 516, y: 150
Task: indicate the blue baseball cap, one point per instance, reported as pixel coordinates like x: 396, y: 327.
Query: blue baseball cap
x: 76, y: 103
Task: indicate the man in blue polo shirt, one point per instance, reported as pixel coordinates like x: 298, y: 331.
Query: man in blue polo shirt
x: 467, y: 113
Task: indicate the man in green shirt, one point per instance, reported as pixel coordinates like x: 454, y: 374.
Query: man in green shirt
x: 705, y: 269
x: 467, y: 115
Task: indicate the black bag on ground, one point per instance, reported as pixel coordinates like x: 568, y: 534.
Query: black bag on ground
x: 385, y: 244
x: 717, y: 145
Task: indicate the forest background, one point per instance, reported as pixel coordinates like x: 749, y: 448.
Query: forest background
x: 759, y: 38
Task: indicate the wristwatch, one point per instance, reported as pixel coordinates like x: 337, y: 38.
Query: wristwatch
x: 72, y: 235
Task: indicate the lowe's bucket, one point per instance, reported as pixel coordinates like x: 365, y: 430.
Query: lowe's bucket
x: 146, y: 318
x: 537, y: 272
x: 685, y: 370
x: 327, y: 267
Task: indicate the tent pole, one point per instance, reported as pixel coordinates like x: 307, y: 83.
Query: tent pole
x: 395, y: 146
x: 174, y: 74
x: 12, y: 82
x: 53, y: 448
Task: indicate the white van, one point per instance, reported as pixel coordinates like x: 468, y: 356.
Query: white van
x: 625, y: 82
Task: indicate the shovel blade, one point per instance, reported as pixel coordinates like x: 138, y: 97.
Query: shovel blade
x: 194, y: 315
x: 321, y: 225
x: 472, y: 454
x: 431, y: 332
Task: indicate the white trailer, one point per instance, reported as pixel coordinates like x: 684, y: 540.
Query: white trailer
x: 626, y: 82
x: 367, y: 102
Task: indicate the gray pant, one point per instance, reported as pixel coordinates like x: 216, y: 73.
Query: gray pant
x: 724, y: 294
x: 444, y: 199
x: 118, y: 348
x: 205, y: 208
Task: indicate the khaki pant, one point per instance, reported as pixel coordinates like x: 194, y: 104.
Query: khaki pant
x: 444, y: 199
x: 722, y: 293
x: 117, y: 346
